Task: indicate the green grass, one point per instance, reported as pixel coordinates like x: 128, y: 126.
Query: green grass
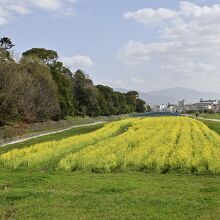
x: 40, y: 194
x: 215, y: 126
x: 58, y: 136
x: 61, y: 195
x: 210, y: 116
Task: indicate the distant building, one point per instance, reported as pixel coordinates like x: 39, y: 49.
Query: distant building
x: 202, y: 105
x: 181, y: 103
x: 205, y: 105
x: 217, y: 108
x: 210, y: 101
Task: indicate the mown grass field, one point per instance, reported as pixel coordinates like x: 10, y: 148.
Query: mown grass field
x: 111, y: 178
x: 65, y: 195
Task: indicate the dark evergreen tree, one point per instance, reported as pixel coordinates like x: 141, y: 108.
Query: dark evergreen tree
x: 140, y: 106
x: 62, y: 77
x: 85, y: 94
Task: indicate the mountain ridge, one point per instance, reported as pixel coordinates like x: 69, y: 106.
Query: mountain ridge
x: 173, y: 95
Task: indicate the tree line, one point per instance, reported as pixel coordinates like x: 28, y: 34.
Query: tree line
x: 40, y: 87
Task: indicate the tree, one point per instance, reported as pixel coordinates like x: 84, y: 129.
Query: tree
x: 105, y: 100
x: 63, y: 79
x: 39, y: 87
x: 115, y: 103
x: 149, y: 109
x: 85, y: 94
x: 6, y: 44
x: 43, y: 94
x: 131, y: 100
x: 27, y: 92
x: 140, y: 106
x: 123, y: 109
x: 61, y: 75
x: 47, y: 56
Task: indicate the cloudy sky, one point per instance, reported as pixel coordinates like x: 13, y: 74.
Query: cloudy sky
x: 136, y: 44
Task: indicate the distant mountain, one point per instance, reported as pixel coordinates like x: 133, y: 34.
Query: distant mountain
x: 173, y: 95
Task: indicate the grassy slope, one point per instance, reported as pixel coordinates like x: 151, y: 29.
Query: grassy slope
x: 9, y: 133
x: 62, y: 195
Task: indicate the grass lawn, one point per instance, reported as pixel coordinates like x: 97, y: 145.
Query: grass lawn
x: 210, y: 116
x: 40, y: 194
x: 215, y: 126
x: 63, y: 195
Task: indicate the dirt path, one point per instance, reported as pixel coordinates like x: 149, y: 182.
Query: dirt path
x: 19, y: 140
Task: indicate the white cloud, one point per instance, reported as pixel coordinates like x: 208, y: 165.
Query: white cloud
x: 137, y: 80
x: 187, y: 49
x: 135, y: 53
x: 4, y: 15
x: 191, y: 69
x: 186, y: 9
x: 125, y: 82
x: 148, y: 15
x: 78, y: 62
x: 192, y: 10
x: 19, y: 8
x: 12, y: 8
x: 49, y: 5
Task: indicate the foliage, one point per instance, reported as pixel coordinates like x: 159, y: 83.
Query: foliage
x: 47, y: 56
x: 149, y: 109
x: 79, y: 96
x: 116, y: 103
x: 140, y: 105
x: 27, y: 91
x: 111, y: 102
x: 61, y: 76
x: 6, y: 44
x: 39, y: 87
x: 131, y: 98
x: 85, y: 95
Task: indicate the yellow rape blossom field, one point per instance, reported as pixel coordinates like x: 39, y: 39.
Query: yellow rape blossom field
x: 166, y: 144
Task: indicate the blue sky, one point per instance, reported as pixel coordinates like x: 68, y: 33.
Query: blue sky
x: 136, y: 44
